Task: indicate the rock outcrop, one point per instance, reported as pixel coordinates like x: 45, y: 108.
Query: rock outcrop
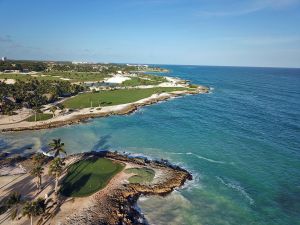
x: 119, y: 206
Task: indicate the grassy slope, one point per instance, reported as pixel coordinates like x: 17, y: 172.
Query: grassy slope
x: 73, y: 76
x: 25, y: 77
x: 148, y: 80
x: 142, y: 175
x: 88, y: 176
x: 116, y: 97
x: 39, y: 117
x: 80, y: 76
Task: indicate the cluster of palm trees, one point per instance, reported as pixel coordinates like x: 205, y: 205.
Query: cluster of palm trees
x: 34, y: 208
x: 34, y: 93
x: 56, y: 167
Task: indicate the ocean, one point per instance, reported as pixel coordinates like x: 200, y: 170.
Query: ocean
x: 241, y: 142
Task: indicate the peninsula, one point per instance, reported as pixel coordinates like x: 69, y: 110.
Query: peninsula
x: 103, y: 187
x: 87, y: 188
x: 41, y: 95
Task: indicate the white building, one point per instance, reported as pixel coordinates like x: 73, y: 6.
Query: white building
x: 76, y: 63
x: 3, y: 59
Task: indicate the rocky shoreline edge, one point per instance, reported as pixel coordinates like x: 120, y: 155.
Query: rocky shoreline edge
x: 117, y: 202
x: 127, y: 109
x: 120, y: 204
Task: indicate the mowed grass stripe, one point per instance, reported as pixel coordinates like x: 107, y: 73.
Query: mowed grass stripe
x: 88, y: 176
x: 114, y: 97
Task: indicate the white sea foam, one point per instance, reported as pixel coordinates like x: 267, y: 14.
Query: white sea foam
x: 143, y: 198
x: 198, y: 156
x: 237, y: 187
x: 194, y: 183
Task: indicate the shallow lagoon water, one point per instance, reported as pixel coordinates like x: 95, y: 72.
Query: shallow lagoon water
x: 241, y: 142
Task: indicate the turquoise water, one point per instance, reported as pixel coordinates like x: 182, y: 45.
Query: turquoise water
x: 241, y: 142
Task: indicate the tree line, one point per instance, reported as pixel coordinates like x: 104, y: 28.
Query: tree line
x: 18, y: 205
x: 23, y: 65
x: 34, y: 93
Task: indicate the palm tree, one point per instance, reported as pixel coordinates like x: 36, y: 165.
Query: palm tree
x: 35, y: 208
x: 55, y: 169
x: 53, y: 109
x: 39, y: 158
x: 38, y: 172
x: 14, y: 201
x: 57, y: 147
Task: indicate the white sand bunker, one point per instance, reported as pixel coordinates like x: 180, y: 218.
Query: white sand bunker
x: 117, y: 79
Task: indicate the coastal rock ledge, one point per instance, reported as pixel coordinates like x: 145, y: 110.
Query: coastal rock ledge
x: 84, y: 114
x: 116, y: 203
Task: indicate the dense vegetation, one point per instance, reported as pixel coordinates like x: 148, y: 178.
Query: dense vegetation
x: 88, y: 176
x: 51, y: 80
x: 22, y: 66
x: 104, y: 68
x: 33, y: 93
x: 114, y: 97
x: 144, y: 80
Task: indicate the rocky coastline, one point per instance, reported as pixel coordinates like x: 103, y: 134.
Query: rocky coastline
x: 120, y: 204
x: 117, y: 202
x: 126, y: 109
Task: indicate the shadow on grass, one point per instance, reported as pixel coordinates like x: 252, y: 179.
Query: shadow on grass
x: 69, y: 189
x: 75, y: 169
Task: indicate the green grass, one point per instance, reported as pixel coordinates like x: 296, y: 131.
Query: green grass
x: 79, y: 76
x: 150, y: 80
x: 142, y: 175
x: 23, y: 77
x: 88, y: 176
x: 39, y: 117
x: 115, y: 97
x: 73, y: 76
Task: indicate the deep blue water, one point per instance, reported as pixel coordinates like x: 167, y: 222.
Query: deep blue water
x: 241, y: 142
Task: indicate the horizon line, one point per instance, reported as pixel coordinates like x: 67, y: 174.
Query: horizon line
x: 171, y: 64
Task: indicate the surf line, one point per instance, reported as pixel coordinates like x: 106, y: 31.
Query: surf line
x: 238, y: 188
x: 198, y: 156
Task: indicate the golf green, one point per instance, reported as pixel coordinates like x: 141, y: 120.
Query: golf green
x: 88, y: 176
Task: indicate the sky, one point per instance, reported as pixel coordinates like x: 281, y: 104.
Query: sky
x: 185, y: 32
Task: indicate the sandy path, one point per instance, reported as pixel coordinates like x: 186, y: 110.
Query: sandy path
x: 90, y: 111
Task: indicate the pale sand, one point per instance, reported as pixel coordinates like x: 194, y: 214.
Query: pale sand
x: 71, y: 207
x: 22, y: 114
x: 8, y: 81
x: 89, y: 111
x: 26, y: 186
x: 117, y: 79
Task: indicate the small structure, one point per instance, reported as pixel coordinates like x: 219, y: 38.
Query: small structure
x: 3, y: 59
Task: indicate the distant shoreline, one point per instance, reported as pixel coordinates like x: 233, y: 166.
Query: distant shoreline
x: 87, y: 113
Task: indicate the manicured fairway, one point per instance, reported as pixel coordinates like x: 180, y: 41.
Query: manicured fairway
x: 142, y: 175
x: 79, y: 76
x: 39, y: 117
x: 60, y: 76
x: 114, y: 97
x: 88, y: 176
